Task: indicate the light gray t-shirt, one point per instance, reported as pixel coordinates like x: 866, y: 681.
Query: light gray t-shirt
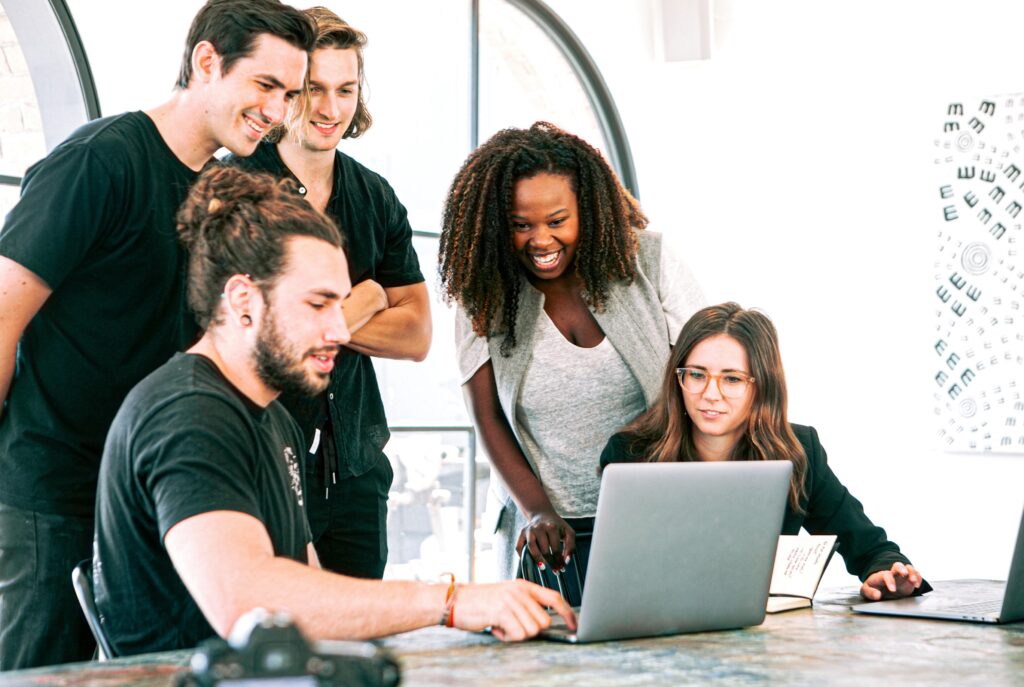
x: 637, y: 335
x: 573, y: 399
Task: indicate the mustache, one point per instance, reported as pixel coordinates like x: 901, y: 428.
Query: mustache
x: 331, y: 351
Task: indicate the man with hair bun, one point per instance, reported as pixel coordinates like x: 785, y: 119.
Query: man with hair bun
x: 91, y: 281
x: 200, y: 506
x: 388, y: 312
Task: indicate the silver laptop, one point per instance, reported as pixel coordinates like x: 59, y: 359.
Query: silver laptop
x: 680, y: 547
x: 978, y: 601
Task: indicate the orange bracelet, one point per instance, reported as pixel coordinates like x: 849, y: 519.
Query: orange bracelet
x: 448, y: 616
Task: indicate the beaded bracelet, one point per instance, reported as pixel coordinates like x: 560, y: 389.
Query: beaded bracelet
x: 448, y: 616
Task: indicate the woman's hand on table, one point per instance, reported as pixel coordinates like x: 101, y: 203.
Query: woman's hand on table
x: 899, y: 581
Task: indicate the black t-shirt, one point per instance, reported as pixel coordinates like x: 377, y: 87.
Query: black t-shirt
x: 186, y: 442
x: 96, y: 223
x: 376, y: 228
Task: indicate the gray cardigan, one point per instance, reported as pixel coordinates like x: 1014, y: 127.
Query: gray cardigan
x: 636, y: 321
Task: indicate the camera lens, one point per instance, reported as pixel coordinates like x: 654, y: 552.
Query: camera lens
x: 277, y: 658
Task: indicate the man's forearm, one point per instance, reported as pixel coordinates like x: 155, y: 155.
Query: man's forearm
x: 366, y: 300
x: 401, y: 331
x: 394, y: 334
x: 329, y: 606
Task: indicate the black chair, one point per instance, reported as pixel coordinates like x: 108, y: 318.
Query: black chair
x: 81, y: 579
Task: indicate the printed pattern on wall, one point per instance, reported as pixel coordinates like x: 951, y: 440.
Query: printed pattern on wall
x: 979, y: 276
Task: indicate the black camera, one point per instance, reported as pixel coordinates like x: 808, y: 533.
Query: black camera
x: 265, y: 646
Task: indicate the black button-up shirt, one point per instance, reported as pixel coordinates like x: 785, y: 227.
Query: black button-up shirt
x: 379, y: 247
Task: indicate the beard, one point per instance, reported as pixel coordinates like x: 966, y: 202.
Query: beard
x: 281, y: 368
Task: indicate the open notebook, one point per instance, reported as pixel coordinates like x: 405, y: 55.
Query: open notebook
x: 800, y: 561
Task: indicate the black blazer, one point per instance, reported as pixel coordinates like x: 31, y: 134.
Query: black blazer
x: 828, y: 507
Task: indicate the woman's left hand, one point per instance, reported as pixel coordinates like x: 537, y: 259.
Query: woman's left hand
x: 899, y: 581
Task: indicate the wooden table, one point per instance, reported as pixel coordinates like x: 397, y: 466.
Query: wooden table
x: 824, y: 645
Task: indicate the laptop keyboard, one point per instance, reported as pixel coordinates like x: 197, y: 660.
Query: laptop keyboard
x: 979, y: 607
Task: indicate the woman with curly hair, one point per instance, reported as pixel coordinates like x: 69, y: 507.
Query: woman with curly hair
x: 566, y: 313
x: 723, y: 397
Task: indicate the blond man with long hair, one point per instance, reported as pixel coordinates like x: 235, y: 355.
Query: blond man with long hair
x: 388, y: 312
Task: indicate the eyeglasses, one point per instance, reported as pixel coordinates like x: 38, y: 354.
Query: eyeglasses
x: 731, y: 384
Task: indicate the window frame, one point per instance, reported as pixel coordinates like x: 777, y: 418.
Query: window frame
x: 55, y: 56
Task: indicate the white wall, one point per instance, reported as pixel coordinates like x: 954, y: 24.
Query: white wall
x: 792, y: 169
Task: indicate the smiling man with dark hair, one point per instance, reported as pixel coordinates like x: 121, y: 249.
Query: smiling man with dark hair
x: 91, y: 280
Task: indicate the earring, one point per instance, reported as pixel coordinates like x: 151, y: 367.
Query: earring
x: 246, y: 321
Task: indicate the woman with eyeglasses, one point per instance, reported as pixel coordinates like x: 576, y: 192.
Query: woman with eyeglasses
x: 723, y: 397
x: 567, y: 311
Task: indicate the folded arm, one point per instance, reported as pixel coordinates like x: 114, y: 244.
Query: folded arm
x: 389, y: 322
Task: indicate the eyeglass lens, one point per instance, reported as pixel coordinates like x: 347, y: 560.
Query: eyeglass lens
x: 695, y: 381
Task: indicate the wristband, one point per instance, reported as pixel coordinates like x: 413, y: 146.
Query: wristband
x: 448, y: 616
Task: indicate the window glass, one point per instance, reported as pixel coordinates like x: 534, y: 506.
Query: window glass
x: 8, y: 197
x: 426, y: 393
x: 426, y: 507
x: 426, y: 518
x: 525, y: 78
x: 21, y: 129
x: 417, y: 72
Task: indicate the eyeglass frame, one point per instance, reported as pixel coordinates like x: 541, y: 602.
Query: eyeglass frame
x: 718, y: 380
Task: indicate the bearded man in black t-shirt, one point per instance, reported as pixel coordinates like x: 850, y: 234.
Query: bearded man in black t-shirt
x: 388, y: 312
x: 91, y: 277
x: 199, y: 514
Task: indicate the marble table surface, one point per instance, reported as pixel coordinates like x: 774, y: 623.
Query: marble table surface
x: 825, y: 645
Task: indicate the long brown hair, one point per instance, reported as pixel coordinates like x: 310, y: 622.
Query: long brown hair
x: 665, y: 432
x: 332, y: 32
x: 477, y: 263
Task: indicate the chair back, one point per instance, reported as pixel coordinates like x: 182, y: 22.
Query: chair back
x: 81, y: 579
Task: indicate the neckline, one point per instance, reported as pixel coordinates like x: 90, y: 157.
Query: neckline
x: 256, y: 410
x: 155, y: 130
x: 554, y: 327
